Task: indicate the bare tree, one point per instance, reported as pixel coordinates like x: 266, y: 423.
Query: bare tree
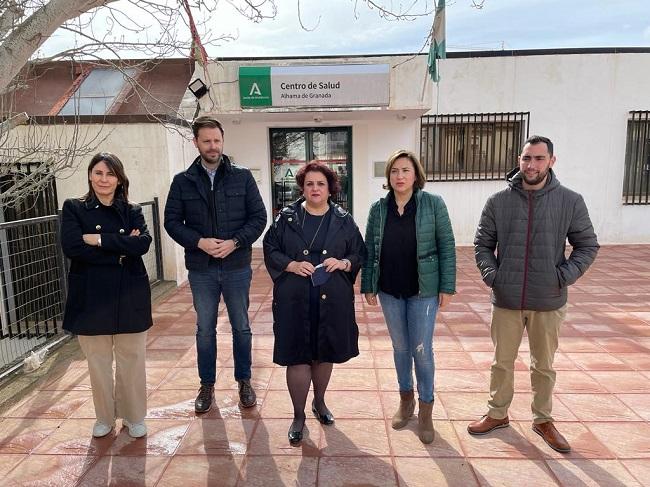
x: 106, y: 31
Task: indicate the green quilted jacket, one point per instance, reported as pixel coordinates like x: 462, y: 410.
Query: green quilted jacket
x: 436, y: 247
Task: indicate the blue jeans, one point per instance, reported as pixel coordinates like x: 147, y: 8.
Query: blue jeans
x: 410, y: 323
x: 207, y: 287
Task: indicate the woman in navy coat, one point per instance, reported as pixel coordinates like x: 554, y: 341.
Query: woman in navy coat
x: 313, y: 252
x: 109, y: 298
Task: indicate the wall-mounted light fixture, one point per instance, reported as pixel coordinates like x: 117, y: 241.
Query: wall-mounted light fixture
x: 401, y: 116
x: 318, y: 119
x: 198, y: 88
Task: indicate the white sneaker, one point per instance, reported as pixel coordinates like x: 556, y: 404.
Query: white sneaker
x: 100, y: 429
x: 136, y: 430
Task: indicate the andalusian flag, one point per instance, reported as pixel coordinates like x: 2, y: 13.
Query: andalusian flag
x: 437, y: 49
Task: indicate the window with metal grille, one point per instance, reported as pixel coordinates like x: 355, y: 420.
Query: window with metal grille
x: 471, y: 146
x: 636, y: 183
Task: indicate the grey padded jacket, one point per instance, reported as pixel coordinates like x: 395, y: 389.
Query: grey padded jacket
x: 528, y: 230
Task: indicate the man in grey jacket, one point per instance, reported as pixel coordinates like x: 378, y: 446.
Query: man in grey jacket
x: 527, y: 224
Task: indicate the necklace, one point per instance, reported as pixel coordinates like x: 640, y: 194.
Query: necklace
x: 322, y: 218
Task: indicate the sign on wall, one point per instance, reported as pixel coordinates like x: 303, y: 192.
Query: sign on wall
x: 314, y: 86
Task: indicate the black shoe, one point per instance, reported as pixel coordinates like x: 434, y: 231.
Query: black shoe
x: 247, y: 396
x: 204, y: 400
x: 295, y: 435
x: 325, y: 418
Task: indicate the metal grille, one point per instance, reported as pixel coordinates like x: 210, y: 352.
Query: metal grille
x: 636, y: 183
x: 32, y: 292
x: 153, y: 258
x: 471, y: 146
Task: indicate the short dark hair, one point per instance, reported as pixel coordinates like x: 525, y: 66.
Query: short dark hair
x: 540, y: 139
x: 333, y: 184
x: 420, y: 178
x: 115, y: 165
x: 205, y: 121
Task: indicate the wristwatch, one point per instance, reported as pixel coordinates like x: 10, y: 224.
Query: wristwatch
x: 99, y: 241
x: 236, y: 241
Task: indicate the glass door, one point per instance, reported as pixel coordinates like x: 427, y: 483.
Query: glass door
x: 291, y: 148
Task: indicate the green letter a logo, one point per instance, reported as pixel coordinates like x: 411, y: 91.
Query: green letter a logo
x: 255, y: 90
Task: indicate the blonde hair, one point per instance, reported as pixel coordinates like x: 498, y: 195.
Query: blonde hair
x: 420, y: 178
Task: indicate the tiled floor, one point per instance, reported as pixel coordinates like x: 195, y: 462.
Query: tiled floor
x: 602, y: 404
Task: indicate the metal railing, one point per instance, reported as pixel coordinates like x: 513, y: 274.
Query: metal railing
x: 471, y: 146
x: 33, y: 282
x: 636, y: 182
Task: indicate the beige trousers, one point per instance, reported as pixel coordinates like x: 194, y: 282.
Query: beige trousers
x: 507, y: 329
x: 126, y: 396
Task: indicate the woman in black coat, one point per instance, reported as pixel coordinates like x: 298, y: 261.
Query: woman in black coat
x: 109, y: 299
x: 313, y: 252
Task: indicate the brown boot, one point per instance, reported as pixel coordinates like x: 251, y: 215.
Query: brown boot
x: 405, y: 410
x: 425, y: 422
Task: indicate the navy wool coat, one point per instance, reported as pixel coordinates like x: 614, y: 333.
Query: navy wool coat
x: 338, y: 333
x: 108, y: 286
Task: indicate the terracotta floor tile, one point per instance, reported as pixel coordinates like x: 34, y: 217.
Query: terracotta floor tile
x: 623, y: 382
x: 163, y: 438
x: 73, y: 379
x: 625, y: 440
x: 349, y: 437
x: 598, y: 361
x: 171, y: 404
x: 259, y: 378
x: 174, y: 342
x: 74, y: 437
x: 466, y: 406
x: 583, y: 442
x: 278, y: 471
x: 406, y: 443
x: 343, y: 405
x: 362, y: 361
x: 453, y: 360
x: 270, y: 438
x: 507, y: 472
x: 510, y: 442
x: 476, y: 344
x: 346, y: 472
x: 520, y: 409
x: 446, y: 343
x: 141, y: 471
x: 639, y: 403
x: 575, y: 344
x: 383, y: 359
x: 390, y: 402
x: 604, y: 407
x: 640, y: 469
x: 23, y: 435
x: 465, y: 381
x: 181, y: 378
x: 49, y: 470
x: 9, y: 462
x: 352, y: 380
x: 166, y: 359
x: 425, y: 472
x: 576, y: 382
x: 49, y: 404
x: 622, y: 345
x: 217, y: 437
x: 594, y: 473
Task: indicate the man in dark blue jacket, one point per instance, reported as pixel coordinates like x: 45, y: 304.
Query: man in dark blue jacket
x: 215, y: 211
x: 520, y: 251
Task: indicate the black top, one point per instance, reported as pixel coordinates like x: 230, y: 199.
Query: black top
x: 398, y: 262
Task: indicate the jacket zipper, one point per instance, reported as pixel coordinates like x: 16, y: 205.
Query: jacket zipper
x: 530, y: 220
x: 382, y: 222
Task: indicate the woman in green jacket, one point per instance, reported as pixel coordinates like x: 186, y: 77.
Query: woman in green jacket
x: 411, y: 266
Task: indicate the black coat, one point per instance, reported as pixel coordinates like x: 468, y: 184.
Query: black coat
x: 239, y: 206
x: 337, y: 328
x: 108, y: 286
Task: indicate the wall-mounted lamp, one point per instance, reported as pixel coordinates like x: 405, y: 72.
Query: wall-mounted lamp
x: 401, y: 116
x: 198, y: 88
x: 318, y: 119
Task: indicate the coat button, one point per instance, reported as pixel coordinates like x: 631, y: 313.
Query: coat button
x: 305, y: 252
x: 98, y: 227
x: 324, y: 252
x: 290, y: 219
x: 121, y: 231
x: 323, y: 296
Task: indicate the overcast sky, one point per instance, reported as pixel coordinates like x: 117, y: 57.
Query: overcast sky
x: 339, y: 28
